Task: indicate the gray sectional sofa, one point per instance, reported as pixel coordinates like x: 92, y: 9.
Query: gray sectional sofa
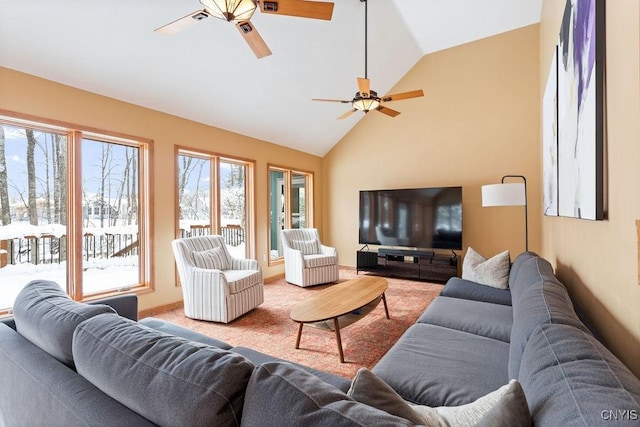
x: 473, y: 338
x: 73, y: 364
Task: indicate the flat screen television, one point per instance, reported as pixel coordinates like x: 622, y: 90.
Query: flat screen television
x: 417, y: 218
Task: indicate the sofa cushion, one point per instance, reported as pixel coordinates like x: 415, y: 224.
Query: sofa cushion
x: 436, y: 366
x: 212, y: 259
x: 465, y: 289
x: 166, y: 379
x: 492, y: 272
x: 476, y: 317
x: 258, y: 358
x: 38, y: 390
x: 545, y: 301
x: 570, y: 379
x: 45, y: 315
x: 179, y: 331
x: 281, y: 394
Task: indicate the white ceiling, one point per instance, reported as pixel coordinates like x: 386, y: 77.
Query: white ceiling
x: 208, y: 74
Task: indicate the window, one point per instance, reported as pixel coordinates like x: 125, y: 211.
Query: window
x: 73, y: 209
x: 290, y: 205
x: 110, y: 191
x: 215, y: 196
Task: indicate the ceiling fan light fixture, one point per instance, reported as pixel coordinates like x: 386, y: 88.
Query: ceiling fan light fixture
x: 230, y: 10
x: 366, y: 104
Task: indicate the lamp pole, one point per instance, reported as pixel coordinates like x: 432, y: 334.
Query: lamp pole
x: 526, y: 205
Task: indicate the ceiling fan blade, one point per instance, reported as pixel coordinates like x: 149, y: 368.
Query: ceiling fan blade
x: 332, y: 100
x: 388, y: 111
x: 300, y: 8
x: 347, y: 114
x: 253, y: 39
x: 182, y: 23
x: 403, y: 95
x: 364, y: 87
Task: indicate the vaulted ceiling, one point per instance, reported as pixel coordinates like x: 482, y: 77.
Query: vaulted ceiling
x: 207, y: 73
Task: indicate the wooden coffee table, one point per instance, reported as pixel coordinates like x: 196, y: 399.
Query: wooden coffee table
x: 339, y: 300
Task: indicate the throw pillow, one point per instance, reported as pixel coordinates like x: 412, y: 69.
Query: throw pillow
x: 169, y: 380
x: 45, y: 315
x: 212, y: 259
x: 368, y: 388
x: 307, y: 247
x: 506, y: 406
x: 492, y: 272
x: 282, y: 394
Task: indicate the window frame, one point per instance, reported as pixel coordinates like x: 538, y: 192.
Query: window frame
x: 75, y: 134
x: 215, y: 207
x: 288, y: 197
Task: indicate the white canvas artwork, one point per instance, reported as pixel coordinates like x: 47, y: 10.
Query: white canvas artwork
x: 550, y: 140
x: 579, y: 150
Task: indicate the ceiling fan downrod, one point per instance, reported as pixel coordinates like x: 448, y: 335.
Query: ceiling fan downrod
x: 366, y: 50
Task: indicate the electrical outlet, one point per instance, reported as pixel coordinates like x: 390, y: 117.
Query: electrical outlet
x: 264, y: 257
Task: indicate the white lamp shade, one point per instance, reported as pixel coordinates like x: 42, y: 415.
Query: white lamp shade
x: 230, y: 10
x: 509, y: 194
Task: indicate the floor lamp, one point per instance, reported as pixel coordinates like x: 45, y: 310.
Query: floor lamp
x: 508, y: 194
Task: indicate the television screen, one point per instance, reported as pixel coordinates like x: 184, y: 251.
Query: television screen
x: 417, y: 218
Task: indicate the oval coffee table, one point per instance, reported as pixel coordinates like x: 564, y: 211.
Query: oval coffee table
x: 339, y: 300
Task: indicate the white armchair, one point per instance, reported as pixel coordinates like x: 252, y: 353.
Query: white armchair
x: 307, y: 261
x: 216, y: 286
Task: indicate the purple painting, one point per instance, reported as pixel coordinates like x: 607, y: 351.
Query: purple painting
x: 580, y: 138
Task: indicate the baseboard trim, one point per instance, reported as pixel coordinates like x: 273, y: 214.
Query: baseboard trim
x: 274, y: 278
x: 161, y: 309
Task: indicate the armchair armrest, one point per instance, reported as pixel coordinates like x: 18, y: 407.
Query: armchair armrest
x: 209, y: 282
x: 245, y: 264
x: 294, y: 254
x: 328, y: 250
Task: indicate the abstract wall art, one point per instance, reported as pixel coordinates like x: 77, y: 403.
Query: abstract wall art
x: 580, y: 113
x: 550, y: 140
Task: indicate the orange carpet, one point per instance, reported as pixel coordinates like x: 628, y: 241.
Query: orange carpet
x: 269, y: 329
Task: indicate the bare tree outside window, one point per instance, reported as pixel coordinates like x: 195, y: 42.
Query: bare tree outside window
x: 199, y: 208
x: 34, y: 239
x: 33, y: 208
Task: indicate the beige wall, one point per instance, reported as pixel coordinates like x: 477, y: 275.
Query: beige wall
x: 479, y: 120
x: 37, y: 97
x: 598, y: 261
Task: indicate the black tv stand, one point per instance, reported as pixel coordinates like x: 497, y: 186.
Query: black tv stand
x: 408, y: 264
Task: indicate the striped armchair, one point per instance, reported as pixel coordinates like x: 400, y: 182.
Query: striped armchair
x: 216, y: 286
x: 308, y: 262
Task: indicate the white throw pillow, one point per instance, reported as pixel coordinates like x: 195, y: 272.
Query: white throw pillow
x: 307, y: 247
x: 508, y: 398
x: 212, y: 259
x: 491, y: 272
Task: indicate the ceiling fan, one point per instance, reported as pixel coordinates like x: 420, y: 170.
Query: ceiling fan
x: 366, y: 99
x: 241, y: 11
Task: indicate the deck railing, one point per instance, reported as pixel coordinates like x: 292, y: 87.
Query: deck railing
x: 50, y: 249
x: 233, y: 235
